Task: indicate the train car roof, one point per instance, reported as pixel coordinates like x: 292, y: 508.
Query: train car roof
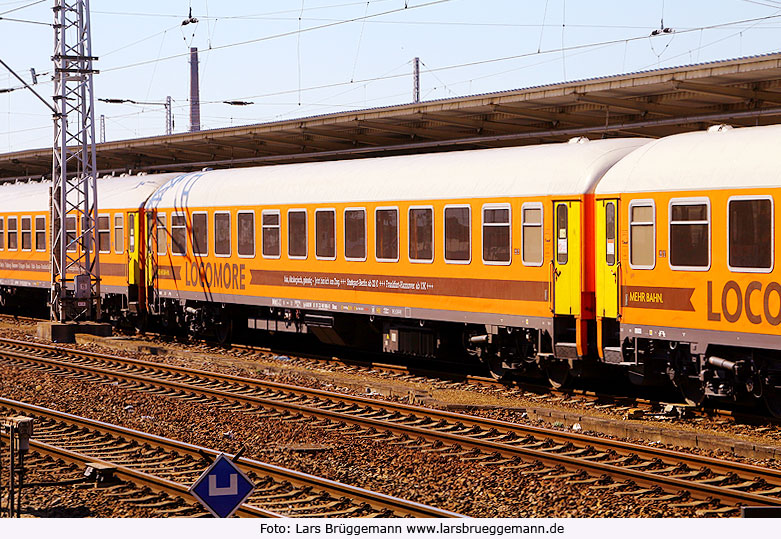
x: 559, y: 169
x: 719, y: 158
x: 113, y: 193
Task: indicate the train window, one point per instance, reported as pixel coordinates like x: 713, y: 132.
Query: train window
x: 562, y: 230
x: 104, y: 234
x: 178, y: 234
x: 296, y: 234
x: 200, y: 233
x: 642, y: 234
x: 271, y: 234
x: 246, y: 234
x: 13, y: 238
x: 690, y: 234
x: 610, y: 233
x: 496, y: 234
x: 162, y: 235
x: 458, y: 248
x: 2, y: 234
x: 355, y: 234
x: 119, y: 233
x: 531, y: 227
x: 70, y: 234
x: 27, y: 234
x: 131, y: 232
x: 40, y: 234
x: 386, y: 247
x: 750, y: 222
x: 222, y: 233
x: 421, y: 234
x: 325, y: 234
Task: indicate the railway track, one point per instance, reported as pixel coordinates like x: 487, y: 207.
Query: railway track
x: 157, y: 472
x: 669, y: 407
x: 712, y: 485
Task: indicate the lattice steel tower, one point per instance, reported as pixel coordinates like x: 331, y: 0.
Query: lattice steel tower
x: 75, y: 269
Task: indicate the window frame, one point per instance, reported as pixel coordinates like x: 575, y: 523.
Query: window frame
x: 398, y: 235
x: 158, y: 217
x: 533, y: 206
x: 230, y: 233
x: 36, y: 231
x: 772, y: 234
x: 644, y: 202
x: 689, y: 201
x: 8, y: 233
x: 184, y: 216
x: 99, y: 230
x: 433, y: 237
x: 22, y: 231
x: 365, y: 235
x: 121, y: 217
x: 254, y: 233
x: 323, y: 210
x: 444, y: 234
x: 204, y: 248
x: 496, y: 206
x: 306, y: 232
x: 263, y: 227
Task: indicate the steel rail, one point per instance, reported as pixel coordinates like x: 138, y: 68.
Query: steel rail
x: 358, y: 495
x: 604, y: 444
x: 157, y: 484
x: 639, y: 477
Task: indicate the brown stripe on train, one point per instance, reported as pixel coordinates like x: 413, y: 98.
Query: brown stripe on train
x: 658, y: 297
x: 24, y: 265
x: 433, y: 286
x: 113, y: 269
x: 169, y: 272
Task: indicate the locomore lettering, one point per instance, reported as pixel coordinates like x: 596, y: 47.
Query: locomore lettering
x: 218, y: 275
x: 735, y: 302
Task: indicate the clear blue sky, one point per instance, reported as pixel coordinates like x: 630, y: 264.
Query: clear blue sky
x: 466, y: 46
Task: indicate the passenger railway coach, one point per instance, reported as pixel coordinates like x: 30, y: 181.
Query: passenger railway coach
x: 487, y: 249
x: 693, y: 293
x: 656, y: 258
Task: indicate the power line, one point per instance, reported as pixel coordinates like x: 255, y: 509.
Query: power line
x: 281, y: 35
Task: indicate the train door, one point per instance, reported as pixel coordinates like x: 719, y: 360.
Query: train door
x: 567, y: 257
x: 607, y: 261
x: 133, y: 258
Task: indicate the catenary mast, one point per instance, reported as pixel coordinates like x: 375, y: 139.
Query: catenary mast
x: 75, y: 269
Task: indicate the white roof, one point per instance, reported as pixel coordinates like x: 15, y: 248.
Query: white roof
x: 113, y: 193
x: 720, y: 158
x: 558, y: 169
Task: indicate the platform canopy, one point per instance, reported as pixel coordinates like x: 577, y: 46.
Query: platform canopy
x: 655, y: 103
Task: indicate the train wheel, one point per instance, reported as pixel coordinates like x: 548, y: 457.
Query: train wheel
x: 223, y: 332
x: 496, y: 367
x: 558, y: 373
x: 691, y: 389
x: 772, y: 396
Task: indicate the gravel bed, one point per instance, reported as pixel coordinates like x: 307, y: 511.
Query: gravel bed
x: 66, y: 501
x: 428, y: 478
x: 311, y: 373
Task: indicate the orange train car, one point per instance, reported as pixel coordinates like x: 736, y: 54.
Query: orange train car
x: 687, y: 287
x: 25, y: 273
x: 418, y: 254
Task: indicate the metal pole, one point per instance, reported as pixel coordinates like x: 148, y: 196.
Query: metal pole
x: 74, y: 195
x: 12, y: 432
x: 416, y: 80
x: 102, y: 128
x: 20, y: 471
x: 169, y: 117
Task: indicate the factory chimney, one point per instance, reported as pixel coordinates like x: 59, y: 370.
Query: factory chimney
x: 195, y: 100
